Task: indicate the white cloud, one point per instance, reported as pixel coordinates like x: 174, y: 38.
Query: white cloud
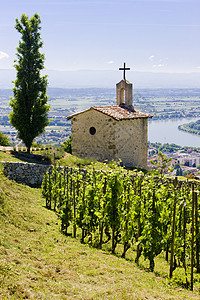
x: 158, y: 66
x: 151, y: 57
x: 3, y: 55
x: 110, y: 62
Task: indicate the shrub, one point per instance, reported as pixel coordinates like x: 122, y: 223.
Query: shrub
x: 4, y: 140
x: 67, y: 145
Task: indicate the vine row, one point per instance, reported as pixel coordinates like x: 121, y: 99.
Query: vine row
x: 151, y: 213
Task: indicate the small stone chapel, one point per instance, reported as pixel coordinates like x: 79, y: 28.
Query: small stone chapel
x: 117, y: 132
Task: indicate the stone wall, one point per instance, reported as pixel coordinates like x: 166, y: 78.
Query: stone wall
x: 99, y: 145
x: 131, y: 142
x: 27, y: 173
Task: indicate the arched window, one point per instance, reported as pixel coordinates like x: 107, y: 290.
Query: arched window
x: 122, y: 96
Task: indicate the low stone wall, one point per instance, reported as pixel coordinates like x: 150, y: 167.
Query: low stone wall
x: 27, y: 173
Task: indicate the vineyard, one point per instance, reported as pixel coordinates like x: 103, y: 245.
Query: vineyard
x: 150, y: 214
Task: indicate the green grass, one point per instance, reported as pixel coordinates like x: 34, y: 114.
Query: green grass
x: 7, y: 156
x: 38, y: 262
x: 61, y: 157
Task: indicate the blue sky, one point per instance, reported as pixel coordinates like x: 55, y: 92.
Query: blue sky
x: 150, y: 35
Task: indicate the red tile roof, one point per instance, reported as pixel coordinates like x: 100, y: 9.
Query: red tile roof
x: 118, y: 112
x: 121, y: 112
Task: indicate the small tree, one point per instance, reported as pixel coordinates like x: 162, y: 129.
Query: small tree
x: 4, y: 140
x: 163, y: 164
x: 29, y: 103
x: 68, y: 145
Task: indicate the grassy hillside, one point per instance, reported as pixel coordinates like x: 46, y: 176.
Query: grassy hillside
x: 38, y: 262
x: 47, y: 157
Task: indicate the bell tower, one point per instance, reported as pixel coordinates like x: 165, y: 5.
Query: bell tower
x: 124, y: 91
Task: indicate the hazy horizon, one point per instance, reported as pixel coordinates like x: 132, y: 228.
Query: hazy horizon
x: 108, y: 79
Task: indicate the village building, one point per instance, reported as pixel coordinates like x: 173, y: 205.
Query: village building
x: 193, y: 159
x: 118, y: 132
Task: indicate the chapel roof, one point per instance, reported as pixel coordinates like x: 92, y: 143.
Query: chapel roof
x: 118, y: 112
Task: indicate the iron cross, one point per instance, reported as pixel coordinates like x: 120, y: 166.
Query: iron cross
x: 124, y: 69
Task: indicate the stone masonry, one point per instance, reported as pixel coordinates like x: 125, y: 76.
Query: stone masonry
x: 27, y: 173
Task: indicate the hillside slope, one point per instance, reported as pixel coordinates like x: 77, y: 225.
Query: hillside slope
x: 38, y: 262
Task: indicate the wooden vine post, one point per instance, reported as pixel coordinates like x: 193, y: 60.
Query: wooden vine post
x: 192, y: 242
x: 102, y: 221
x: 83, y: 200
x: 126, y: 243
x: 139, y: 250
x: 197, y: 233
x: 66, y: 196
x: 74, y: 209
x: 114, y: 235
x: 60, y: 187
x: 184, y: 240
x: 50, y: 189
x: 173, y: 232
x: 67, y: 185
x: 54, y: 175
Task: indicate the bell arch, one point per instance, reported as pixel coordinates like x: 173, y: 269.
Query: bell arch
x: 124, y: 93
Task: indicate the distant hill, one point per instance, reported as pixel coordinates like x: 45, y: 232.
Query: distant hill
x: 108, y: 79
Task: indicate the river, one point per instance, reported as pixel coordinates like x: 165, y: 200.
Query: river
x: 166, y: 131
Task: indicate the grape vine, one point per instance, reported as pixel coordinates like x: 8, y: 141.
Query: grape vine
x: 151, y: 214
